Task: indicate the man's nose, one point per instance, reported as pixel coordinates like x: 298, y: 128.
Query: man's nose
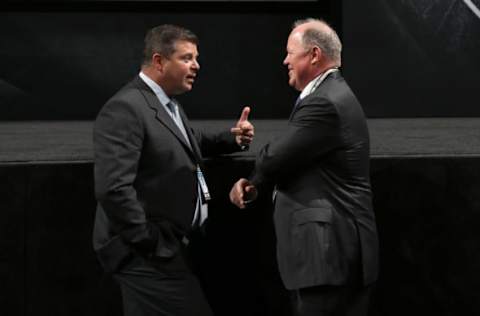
x: 196, y: 65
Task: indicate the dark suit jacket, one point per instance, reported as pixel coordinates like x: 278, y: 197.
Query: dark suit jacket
x: 145, y: 176
x: 324, y: 222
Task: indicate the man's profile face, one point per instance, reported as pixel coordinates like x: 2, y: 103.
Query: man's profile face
x: 297, y: 61
x: 180, y: 69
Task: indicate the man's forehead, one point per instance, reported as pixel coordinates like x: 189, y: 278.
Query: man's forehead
x: 294, y: 39
x: 295, y: 35
x: 185, y: 45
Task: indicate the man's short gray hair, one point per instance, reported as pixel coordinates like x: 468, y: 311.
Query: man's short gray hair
x: 325, y: 38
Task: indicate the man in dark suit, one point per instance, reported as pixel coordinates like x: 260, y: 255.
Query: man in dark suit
x: 149, y: 183
x: 326, y: 233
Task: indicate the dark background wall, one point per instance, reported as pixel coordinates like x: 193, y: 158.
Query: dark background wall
x: 413, y: 58
x: 64, y: 60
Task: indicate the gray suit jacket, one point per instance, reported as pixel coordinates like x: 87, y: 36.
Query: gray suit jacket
x: 324, y: 221
x: 145, y: 176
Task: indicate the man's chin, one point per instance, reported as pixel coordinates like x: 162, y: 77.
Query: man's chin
x: 188, y: 87
x: 182, y: 90
x: 185, y: 88
x: 292, y: 84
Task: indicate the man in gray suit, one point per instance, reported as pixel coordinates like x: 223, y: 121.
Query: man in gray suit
x: 326, y: 233
x: 149, y: 184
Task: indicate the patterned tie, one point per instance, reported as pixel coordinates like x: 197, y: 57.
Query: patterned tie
x: 171, y: 107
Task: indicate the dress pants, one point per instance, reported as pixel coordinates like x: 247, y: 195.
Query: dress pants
x: 161, y: 288
x: 327, y: 300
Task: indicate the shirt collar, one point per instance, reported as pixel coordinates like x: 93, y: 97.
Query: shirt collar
x: 162, y: 97
x: 312, y: 85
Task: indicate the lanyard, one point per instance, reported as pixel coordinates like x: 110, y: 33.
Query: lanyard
x: 203, y: 184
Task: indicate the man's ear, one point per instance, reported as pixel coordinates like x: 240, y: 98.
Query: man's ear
x: 316, y: 55
x: 158, y: 61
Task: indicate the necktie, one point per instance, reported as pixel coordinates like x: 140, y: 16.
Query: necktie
x: 201, y: 210
x: 295, y: 107
x: 171, y: 107
x: 297, y: 102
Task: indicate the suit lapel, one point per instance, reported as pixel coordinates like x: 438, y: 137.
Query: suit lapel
x: 163, y: 117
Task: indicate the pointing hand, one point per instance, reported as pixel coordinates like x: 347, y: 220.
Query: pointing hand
x: 243, y: 130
